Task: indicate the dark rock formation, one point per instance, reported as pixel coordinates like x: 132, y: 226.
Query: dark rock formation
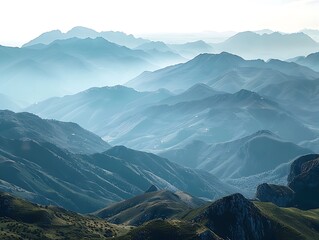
x: 282, y: 196
x: 297, y: 166
x: 304, y: 181
x: 235, y: 217
x: 152, y: 188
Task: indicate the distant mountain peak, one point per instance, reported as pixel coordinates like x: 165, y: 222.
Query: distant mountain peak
x: 199, y: 86
x: 265, y: 133
x: 119, y: 38
x: 80, y: 29
x: 220, y: 56
x: 246, y: 93
x: 107, y: 89
x: 152, y: 188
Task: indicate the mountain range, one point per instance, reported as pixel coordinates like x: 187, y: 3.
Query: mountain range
x: 243, y: 157
x: 71, y: 65
x: 224, y: 71
x: 266, y: 46
x: 20, y: 219
x: 221, y: 146
x: 218, y: 118
x: 229, y: 217
x: 31, y: 167
x: 311, y: 61
x: 87, y: 62
x: 163, y: 121
x: 102, y: 105
x: 119, y: 38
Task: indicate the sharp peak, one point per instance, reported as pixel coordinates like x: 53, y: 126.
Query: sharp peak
x: 233, y: 199
x: 152, y: 188
x: 244, y: 93
x: 264, y: 132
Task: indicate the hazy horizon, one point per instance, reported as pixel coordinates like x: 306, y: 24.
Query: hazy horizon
x: 164, y: 17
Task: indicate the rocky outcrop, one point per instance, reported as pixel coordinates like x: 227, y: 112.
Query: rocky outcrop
x: 235, y: 217
x: 303, y: 185
x: 282, y: 196
x: 298, y: 166
x: 304, y: 181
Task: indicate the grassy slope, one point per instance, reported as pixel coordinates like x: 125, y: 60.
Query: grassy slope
x: 168, y: 230
x: 289, y: 223
x: 292, y: 223
x: 142, y: 208
x: 20, y: 219
x: 23, y: 220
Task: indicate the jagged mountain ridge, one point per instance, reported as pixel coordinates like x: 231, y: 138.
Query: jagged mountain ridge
x: 210, y: 68
x: 82, y: 32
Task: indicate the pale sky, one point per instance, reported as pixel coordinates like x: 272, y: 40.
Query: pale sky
x: 22, y: 20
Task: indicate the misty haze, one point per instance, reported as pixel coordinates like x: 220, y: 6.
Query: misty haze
x: 171, y: 120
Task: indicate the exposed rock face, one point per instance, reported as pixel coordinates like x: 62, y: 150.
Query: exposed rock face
x: 297, y: 167
x: 304, y: 181
x: 234, y: 217
x: 282, y: 196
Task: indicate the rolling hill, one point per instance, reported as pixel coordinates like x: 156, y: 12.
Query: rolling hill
x: 227, y: 218
x: 20, y: 219
x: 160, y: 204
